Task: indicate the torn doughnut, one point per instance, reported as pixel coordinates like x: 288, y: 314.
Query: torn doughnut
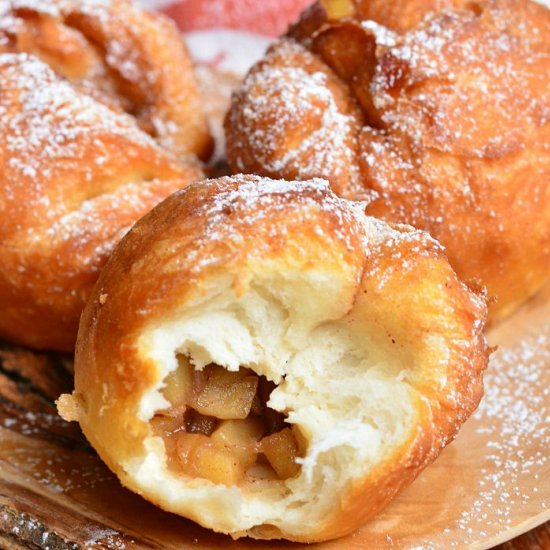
x: 74, y: 177
x: 270, y: 362
x: 438, y: 115
x: 131, y: 59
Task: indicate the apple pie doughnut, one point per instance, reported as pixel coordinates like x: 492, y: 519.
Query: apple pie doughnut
x: 125, y: 56
x: 441, y: 120
x: 74, y: 177
x: 263, y: 358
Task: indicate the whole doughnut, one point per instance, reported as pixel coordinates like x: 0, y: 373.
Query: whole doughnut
x: 263, y: 358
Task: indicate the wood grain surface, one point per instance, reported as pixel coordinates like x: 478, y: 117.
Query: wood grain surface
x: 491, y: 484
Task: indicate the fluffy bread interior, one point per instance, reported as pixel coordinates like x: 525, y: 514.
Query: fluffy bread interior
x: 347, y: 393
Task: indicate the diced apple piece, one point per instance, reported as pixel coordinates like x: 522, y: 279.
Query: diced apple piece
x: 200, y: 457
x: 167, y: 427
x: 186, y: 445
x: 214, y: 428
x: 218, y: 465
x: 240, y: 437
x: 338, y: 9
x: 167, y: 424
x: 281, y: 450
x: 179, y: 383
x: 226, y: 395
x: 263, y: 472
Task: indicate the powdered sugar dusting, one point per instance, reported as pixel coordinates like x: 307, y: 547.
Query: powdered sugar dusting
x: 513, y: 425
x: 95, y: 64
x: 130, y: 61
x: 458, y: 67
x: 289, y: 117
x: 75, y: 176
x: 44, y: 6
x: 383, y: 35
x: 256, y: 202
x: 53, y: 8
x: 43, y: 122
x: 300, y: 91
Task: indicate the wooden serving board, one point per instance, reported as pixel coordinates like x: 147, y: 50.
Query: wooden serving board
x: 491, y: 484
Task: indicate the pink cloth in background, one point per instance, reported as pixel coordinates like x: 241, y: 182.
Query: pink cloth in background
x: 267, y: 17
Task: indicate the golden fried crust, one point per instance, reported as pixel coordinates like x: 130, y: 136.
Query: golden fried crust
x: 131, y: 59
x: 74, y: 176
x: 457, y: 133
x: 398, y: 286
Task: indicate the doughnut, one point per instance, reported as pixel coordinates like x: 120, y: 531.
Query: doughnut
x: 439, y: 119
x: 74, y: 177
x: 126, y: 57
x: 263, y: 358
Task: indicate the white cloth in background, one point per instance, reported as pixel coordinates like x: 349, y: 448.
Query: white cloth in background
x: 227, y: 50
x: 152, y: 4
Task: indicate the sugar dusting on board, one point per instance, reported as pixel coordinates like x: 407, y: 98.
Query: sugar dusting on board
x: 514, y: 422
x: 69, y: 479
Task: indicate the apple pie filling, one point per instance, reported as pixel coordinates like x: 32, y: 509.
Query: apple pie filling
x: 220, y: 428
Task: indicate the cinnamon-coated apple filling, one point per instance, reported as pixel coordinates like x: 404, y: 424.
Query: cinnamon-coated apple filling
x: 220, y: 428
